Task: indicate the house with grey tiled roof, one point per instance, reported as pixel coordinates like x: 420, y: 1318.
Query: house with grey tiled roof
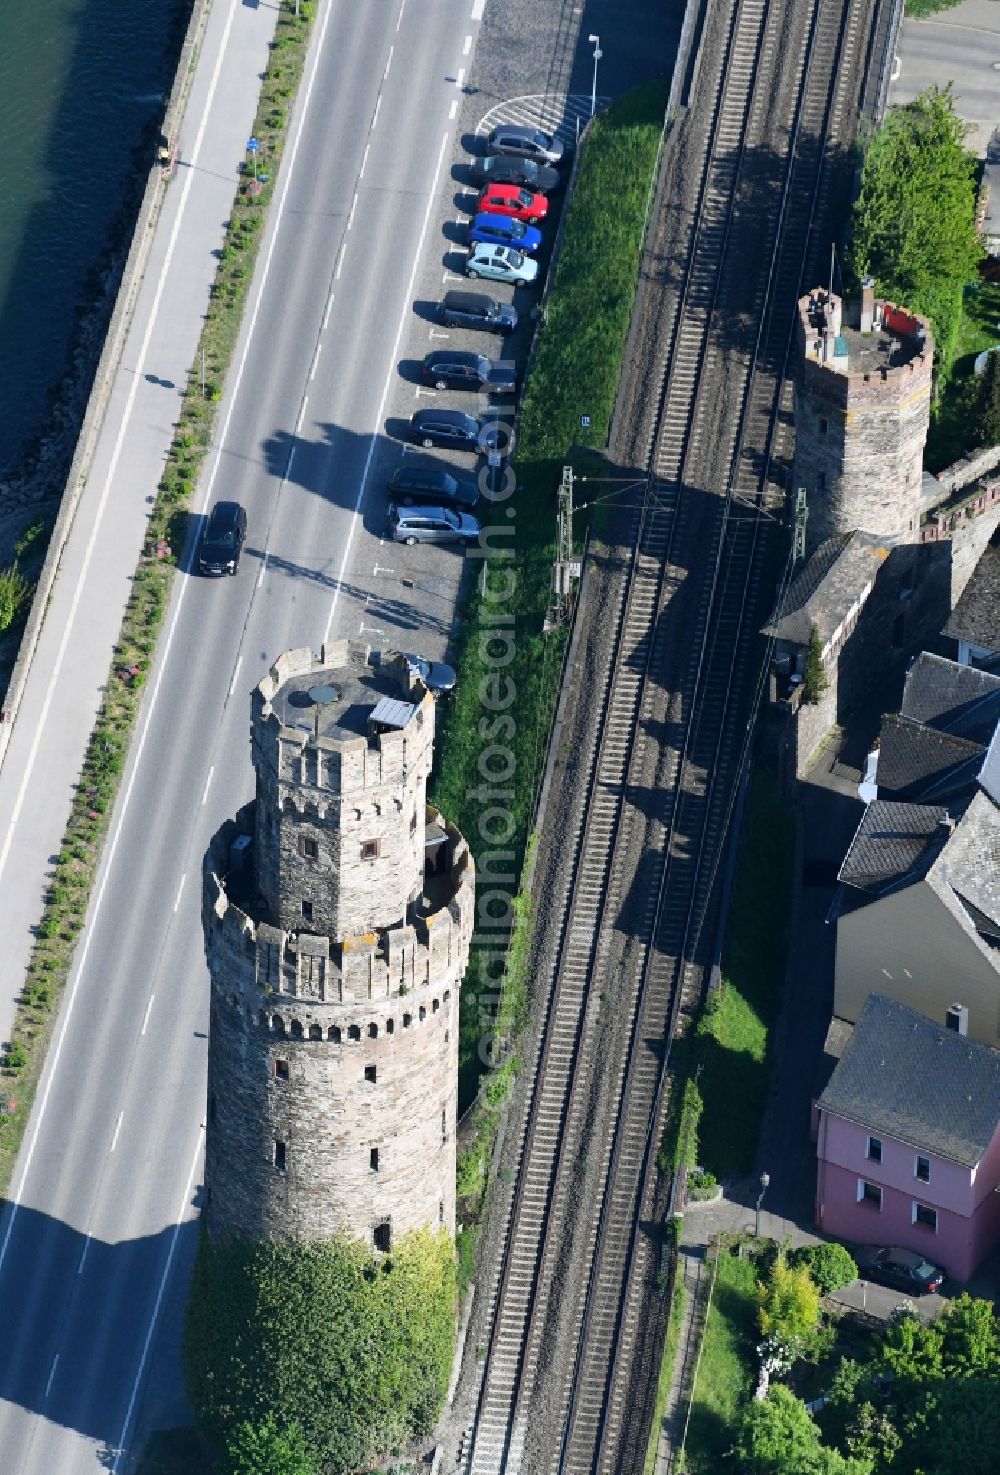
x: 975, y: 621
x: 951, y: 697
x: 908, y: 1138
x: 917, y: 762
x: 918, y: 912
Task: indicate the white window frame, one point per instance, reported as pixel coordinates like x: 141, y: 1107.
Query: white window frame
x: 864, y: 1199
x: 928, y: 1208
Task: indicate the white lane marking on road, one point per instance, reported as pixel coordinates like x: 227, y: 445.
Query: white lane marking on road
x: 354, y: 206
x: 52, y: 1373
x: 466, y: 45
x: 404, y: 318
x: 364, y: 160
x: 145, y: 1017
x: 159, y: 1297
x: 55, y: 1056
x: 477, y: 10
x: 315, y: 362
x: 83, y: 1255
x: 177, y: 899
x: 460, y: 79
x: 452, y: 111
x: 388, y: 64
x: 211, y: 771
x: 378, y: 104
x: 399, y: 18
x: 340, y: 265
x: 298, y: 427
x: 113, y: 465
x: 263, y: 562
x: 118, y: 1127
x: 236, y: 672
x: 326, y: 316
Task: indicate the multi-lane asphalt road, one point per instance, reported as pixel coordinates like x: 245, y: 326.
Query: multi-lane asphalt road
x: 92, y: 1258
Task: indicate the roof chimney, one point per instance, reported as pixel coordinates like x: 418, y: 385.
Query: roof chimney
x: 867, y: 304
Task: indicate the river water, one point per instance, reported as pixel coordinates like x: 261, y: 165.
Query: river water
x: 81, y: 82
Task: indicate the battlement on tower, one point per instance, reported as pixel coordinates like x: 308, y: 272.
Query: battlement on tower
x: 885, y: 352
x: 387, y: 963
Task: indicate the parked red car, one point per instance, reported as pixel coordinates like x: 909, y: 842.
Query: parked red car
x: 508, y: 199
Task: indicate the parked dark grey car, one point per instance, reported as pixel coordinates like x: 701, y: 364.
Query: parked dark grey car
x: 432, y: 525
x: 906, y: 1270
x: 459, y: 368
x: 520, y: 142
x: 477, y: 310
x: 503, y: 169
x: 437, y: 676
x: 461, y: 432
x: 434, y: 484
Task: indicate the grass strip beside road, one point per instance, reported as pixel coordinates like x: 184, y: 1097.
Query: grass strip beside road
x: 77, y: 862
x: 725, y: 1373
x: 576, y: 369
x: 732, y: 1041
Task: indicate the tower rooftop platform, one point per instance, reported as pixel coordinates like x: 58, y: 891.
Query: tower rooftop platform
x: 867, y: 353
x: 879, y: 338
x: 347, y: 693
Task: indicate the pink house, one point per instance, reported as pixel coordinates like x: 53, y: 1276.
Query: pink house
x: 908, y: 1142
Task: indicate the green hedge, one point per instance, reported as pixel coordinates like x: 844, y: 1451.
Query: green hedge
x: 354, y: 1351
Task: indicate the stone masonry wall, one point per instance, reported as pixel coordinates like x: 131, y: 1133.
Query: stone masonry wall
x: 299, y: 1026
x: 859, y: 444
x: 340, y: 821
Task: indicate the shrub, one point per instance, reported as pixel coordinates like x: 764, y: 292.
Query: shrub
x: 356, y: 1351
x: 788, y: 1302
x: 831, y: 1266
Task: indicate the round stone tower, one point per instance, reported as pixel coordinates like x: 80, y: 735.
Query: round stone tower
x: 862, y: 407
x: 338, y: 913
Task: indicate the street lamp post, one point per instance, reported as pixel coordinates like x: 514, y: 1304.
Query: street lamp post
x: 765, y: 1179
x: 595, y: 41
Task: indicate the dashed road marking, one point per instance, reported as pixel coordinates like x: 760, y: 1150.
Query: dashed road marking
x: 354, y: 206
x: 177, y: 900
x: 388, y: 64
x: 149, y: 1010
x: 236, y: 672
x: 118, y: 1127
x: 460, y: 78
x: 477, y: 10
x: 326, y: 316
x: 207, y: 782
x: 453, y: 110
x: 52, y: 1373
x: 364, y: 161
x: 467, y: 46
x: 83, y: 1255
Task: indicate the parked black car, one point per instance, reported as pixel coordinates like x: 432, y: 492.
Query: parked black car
x: 458, y: 368
x: 502, y: 169
x: 222, y: 540
x: 461, y: 432
x: 519, y: 142
x: 904, y: 1269
x: 477, y: 310
x: 409, y: 484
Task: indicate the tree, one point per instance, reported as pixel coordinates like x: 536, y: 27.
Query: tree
x: 267, y: 1449
x: 814, y: 682
x: 780, y: 1437
x: 914, y: 219
x: 788, y: 1303
x: 989, y: 402
x: 830, y: 1265
x: 355, y: 1351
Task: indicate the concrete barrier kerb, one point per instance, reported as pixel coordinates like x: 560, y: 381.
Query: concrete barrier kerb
x: 107, y: 368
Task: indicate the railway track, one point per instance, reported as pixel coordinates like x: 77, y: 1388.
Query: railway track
x: 663, y: 774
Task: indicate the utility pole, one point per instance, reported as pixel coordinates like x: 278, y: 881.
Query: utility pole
x: 563, y: 570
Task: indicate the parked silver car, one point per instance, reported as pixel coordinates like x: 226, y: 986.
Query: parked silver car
x: 432, y: 525
x: 500, y: 264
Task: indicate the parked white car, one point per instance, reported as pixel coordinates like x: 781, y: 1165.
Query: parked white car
x: 500, y: 264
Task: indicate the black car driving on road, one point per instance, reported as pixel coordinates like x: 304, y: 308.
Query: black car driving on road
x: 222, y: 539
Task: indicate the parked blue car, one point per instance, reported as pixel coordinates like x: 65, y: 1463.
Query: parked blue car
x: 504, y: 230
